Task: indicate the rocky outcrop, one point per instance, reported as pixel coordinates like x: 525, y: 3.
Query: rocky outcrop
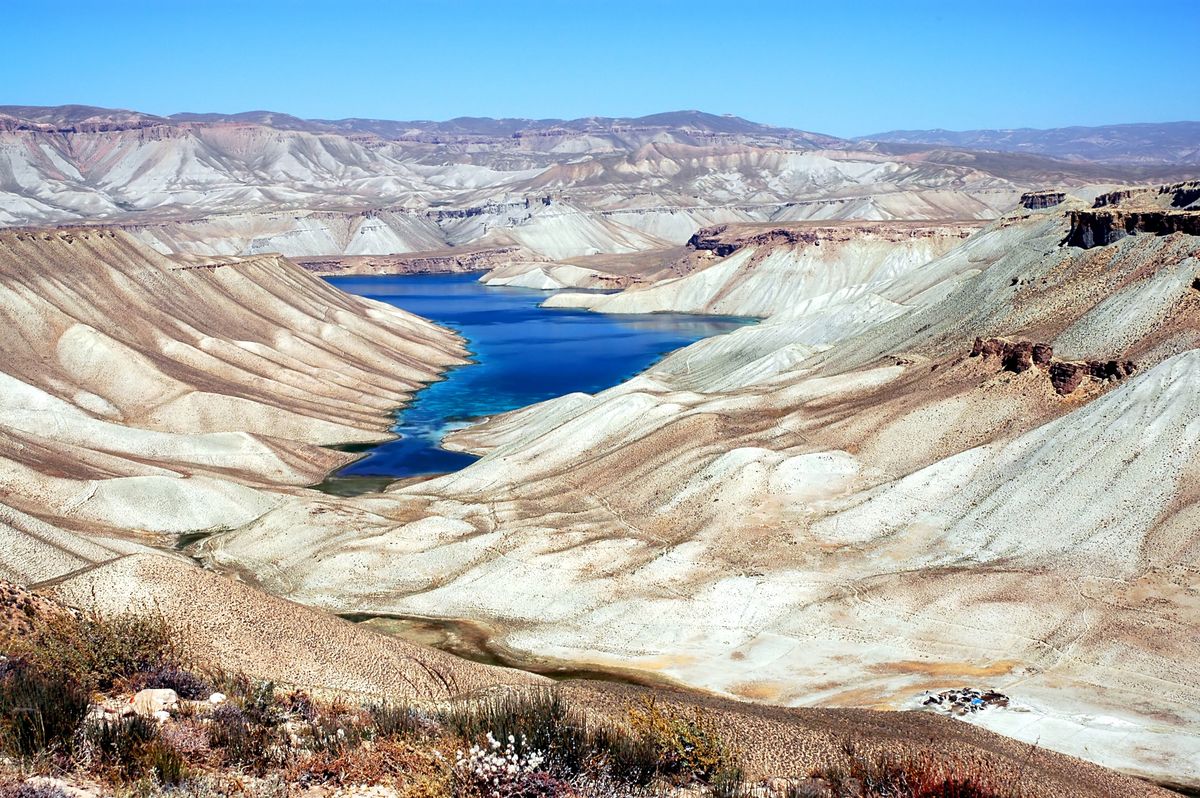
x: 709, y: 240
x: 437, y: 262
x: 1037, y: 200
x: 1174, y: 195
x: 725, y: 239
x: 1098, y: 228
x: 1183, y: 195
x: 1015, y: 356
x: 1117, y: 214
x: 1065, y: 375
x: 148, y: 703
x: 1116, y: 197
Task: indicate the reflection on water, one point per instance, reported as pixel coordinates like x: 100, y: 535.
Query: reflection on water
x: 523, y: 354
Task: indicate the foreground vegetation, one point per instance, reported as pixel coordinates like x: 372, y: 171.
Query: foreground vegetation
x: 65, y: 688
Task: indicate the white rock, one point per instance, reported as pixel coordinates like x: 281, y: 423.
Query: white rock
x: 216, y: 698
x: 148, y: 703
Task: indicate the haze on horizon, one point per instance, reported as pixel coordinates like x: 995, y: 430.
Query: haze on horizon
x: 878, y: 67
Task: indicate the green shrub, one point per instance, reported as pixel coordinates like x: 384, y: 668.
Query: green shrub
x: 879, y: 776
x: 243, y: 739
x: 255, y: 699
x: 245, y: 730
x: 259, y: 703
x: 117, y: 745
x: 391, y: 721
x: 300, y: 704
x: 98, y: 652
x: 130, y: 749
x: 39, y: 712
x: 540, y: 721
x: 335, y: 733
x: 688, y: 747
x: 163, y: 762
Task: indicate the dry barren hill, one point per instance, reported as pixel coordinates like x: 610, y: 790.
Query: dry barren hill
x: 145, y: 395
x: 148, y: 395
x: 295, y: 647
x: 263, y: 182
x: 146, y: 398
x: 764, y: 269
x: 941, y: 460
x: 959, y: 448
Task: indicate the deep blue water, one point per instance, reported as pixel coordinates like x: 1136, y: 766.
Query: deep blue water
x: 523, y: 354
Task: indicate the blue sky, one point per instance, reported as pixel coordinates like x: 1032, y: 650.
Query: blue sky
x: 848, y: 68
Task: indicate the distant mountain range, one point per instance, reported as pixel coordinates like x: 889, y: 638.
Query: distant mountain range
x: 1143, y: 143
x: 1147, y: 144
x: 262, y: 181
x: 81, y: 118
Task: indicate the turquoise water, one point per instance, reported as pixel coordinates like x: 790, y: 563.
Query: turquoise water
x: 523, y: 354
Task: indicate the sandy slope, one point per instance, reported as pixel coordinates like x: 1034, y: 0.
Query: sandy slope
x: 238, y: 628
x: 242, y: 629
x: 841, y: 506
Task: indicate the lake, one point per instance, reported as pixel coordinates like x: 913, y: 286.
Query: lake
x: 522, y: 354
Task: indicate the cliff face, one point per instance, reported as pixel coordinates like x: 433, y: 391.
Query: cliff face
x: 723, y: 240
x: 1183, y: 195
x: 1174, y: 195
x: 1098, y: 228
x: 1113, y: 216
x: 446, y: 261
x: 1037, y: 200
x: 765, y: 269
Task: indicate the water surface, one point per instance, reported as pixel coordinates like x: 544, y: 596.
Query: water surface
x: 523, y: 354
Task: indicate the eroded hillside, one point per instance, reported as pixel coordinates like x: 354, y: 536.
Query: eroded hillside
x: 248, y: 184
x: 958, y: 448
x: 146, y: 396
x: 142, y: 394
x: 879, y: 490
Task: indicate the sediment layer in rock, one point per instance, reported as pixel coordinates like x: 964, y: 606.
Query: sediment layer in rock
x: 146, y: 394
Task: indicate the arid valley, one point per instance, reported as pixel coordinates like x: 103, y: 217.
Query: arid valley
x: 836, y: 450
